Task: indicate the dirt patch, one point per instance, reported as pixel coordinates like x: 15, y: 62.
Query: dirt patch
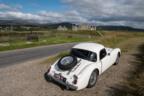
x: 134, y: 83
x: 27, y: 80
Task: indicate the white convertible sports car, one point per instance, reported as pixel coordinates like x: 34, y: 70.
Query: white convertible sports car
x: 82, y: 67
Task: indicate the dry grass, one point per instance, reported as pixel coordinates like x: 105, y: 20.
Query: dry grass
x: 53, y: 58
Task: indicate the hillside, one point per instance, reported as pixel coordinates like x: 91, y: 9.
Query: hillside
x: 66, y: 24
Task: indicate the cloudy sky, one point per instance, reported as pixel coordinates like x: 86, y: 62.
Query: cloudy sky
x: 100, y: 12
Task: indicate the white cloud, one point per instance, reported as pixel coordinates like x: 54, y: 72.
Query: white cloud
x: 122, y: 12
x: 44, y: 16
x: 108, y: 7
x: 4, y: 6
x: 10, y: 8
x: 18, y: 15
x: 69, y: 16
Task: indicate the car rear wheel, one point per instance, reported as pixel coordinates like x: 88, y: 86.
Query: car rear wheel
x: 93, y: 79
x: 47, y: 78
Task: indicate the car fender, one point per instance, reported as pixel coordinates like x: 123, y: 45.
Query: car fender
x: 85, y: 74
x: 117, y: 50
x: 114, y: 54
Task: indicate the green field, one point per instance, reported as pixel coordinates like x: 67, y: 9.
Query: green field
x: 17, y: 40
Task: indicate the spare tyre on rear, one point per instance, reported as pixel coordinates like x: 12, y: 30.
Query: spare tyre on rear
x: 67, y: 62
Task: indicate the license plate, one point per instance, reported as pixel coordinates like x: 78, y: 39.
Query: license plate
x: 58, y: 76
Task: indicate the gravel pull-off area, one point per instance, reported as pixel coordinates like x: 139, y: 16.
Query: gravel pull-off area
x: 27, y: 80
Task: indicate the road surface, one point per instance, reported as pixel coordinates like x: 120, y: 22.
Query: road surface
x: 17, y: 56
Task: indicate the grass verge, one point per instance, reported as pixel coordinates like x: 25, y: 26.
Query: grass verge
x: 44, y: 41
x: 53, y: 58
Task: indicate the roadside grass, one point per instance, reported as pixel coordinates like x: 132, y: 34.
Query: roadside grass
x: 92, y: 33
x: 134, y: 84
x: 111, y: 41
x: 53, y: 58
x: 130, y: 44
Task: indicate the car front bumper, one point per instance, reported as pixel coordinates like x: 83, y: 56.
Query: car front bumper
x: 66, y: 84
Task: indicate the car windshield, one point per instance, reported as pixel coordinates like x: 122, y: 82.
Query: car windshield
x: 84, y: 54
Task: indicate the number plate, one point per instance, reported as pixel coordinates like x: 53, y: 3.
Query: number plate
x: 58, y: 76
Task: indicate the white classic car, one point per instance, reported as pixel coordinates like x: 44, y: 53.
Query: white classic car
x: 82, y: 67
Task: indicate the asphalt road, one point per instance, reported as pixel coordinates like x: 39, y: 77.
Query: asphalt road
x: 21, y: 55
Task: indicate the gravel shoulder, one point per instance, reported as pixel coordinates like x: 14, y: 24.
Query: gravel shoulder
x: 27, y: 79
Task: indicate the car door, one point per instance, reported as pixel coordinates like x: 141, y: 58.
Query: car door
x: 104, y: 59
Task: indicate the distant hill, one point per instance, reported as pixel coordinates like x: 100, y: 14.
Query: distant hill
x: 56, y: 25
x: 16, y: 22
x: 34, y: 24
x: 66, y: 24
x: 123, y: 28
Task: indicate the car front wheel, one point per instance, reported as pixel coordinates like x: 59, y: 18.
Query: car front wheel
x: 117, y: 60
